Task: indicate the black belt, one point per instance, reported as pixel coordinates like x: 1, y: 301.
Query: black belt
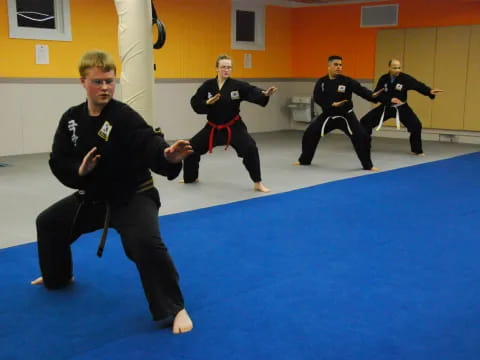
x: 106, y: 223
x: 147, y: 185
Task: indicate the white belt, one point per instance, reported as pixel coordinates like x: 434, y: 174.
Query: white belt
x: 336, y: 117
x: 397, y: 116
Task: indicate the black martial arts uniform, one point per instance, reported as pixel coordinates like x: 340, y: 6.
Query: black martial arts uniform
x: 224, y: 126
x: 326, y: 92
x: 397, y: 87
x: 118, y: 191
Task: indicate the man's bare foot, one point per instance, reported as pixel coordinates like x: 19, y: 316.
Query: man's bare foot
x: 183, y: 181
x: 258, y: 186
x: 420, y: 154
x: 374, y: 169
x: 296, y: 163
x: 182, y: 323
x: 39, y: 281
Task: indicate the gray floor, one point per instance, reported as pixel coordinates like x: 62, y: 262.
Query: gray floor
x: 27, y: 186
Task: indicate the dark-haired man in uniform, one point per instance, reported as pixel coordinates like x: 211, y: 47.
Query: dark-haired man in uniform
x: 333, y: 93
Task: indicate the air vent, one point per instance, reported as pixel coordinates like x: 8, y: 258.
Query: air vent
x: 380, y: 15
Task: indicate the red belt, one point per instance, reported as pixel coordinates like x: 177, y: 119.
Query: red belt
x: 220, y: 127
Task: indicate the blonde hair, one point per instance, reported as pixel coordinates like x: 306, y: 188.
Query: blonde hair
x: 222, y: 57
x: 96, y: 58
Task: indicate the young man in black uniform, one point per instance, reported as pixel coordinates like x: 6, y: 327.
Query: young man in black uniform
x: 105, y: 149
x: 220, y: 99
x: 333, y: 93
x: 395, y: 86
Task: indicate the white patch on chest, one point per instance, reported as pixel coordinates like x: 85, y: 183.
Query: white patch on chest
x: 105, y: 130
x: 235, y: 95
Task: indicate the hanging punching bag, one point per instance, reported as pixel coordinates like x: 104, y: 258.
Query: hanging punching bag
x: 136, y: 54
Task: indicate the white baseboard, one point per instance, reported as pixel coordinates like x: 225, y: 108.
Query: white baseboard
x: 455, y: 136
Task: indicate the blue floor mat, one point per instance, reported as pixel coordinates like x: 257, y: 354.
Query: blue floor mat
x: 383, y: 266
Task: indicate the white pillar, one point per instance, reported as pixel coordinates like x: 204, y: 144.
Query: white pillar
x: 135, y: 46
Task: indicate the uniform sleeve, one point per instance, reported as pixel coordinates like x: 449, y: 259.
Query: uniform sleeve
x: 380, y: 83
x: 420, y: 87
x: 361, y: 91
x: 253, y: 94
x: 320, y: 98
x: 63, y: 162
x: 382, y: 97
x: 146, y: 146
x: 199, y: 100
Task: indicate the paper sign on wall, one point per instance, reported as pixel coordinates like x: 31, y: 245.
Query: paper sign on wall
x: 247, y: 61
x: 41, y: 55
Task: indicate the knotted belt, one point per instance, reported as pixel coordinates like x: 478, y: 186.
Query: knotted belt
x: 337, y: 117
x: 220, y: 127
x: 397, y: 116
x: 147, y: 185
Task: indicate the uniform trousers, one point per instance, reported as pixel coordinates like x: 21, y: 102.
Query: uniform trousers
x: 359, y: 137
x: 241, y: 141
x: 137, y: 223
x: 407, y: 117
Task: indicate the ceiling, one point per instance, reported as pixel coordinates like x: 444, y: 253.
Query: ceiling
x: 308, y: 3
x: 330, y: 1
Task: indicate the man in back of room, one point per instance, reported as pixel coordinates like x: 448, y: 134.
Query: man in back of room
x: 333, y: 93
x: 395, y: 85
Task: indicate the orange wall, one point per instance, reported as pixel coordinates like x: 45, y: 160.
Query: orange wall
x: 90, y: 29
x: 298, y: 40
x: 318, y: 32
x: 197, y: 31
x: 276, y: 60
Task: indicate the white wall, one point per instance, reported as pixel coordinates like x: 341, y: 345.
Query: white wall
x: 177, y: 119
x: 30, y: 113
x: 31, y: 109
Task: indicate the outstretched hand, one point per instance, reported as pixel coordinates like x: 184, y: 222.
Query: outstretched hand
x: 270, y: 91
x: 339, y: 103
x: 436, y: 91
x: 178, y: 151
x: 89, y: 162
x: 396, y: 101
x: 378, y: 92
x: 213, y: 99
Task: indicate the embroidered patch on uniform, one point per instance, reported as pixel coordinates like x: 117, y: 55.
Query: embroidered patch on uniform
x: 323, y: 86
x: 72, y: 126
x: 399, y: 87
x: 105, y: 130
x: 385, y: 87
x: 209, y: 95
x: 235, y: 95
x: 341, y: 88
